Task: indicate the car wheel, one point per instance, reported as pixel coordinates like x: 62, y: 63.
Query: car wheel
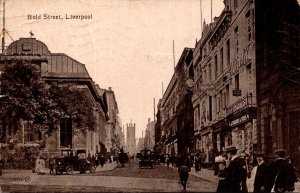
x: 93, y: 169
x: 69, y: 170
x: 58, y: 172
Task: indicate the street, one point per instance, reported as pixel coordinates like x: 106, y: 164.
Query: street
x: 129, y: 179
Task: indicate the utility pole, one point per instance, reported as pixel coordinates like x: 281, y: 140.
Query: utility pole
x: 3, y: 29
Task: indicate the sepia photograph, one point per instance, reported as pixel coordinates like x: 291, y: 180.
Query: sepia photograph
x: 150, y: 96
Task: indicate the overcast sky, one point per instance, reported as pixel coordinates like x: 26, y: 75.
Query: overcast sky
x: 127, y: 45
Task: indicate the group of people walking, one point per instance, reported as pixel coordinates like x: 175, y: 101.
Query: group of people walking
x: 278, y: 176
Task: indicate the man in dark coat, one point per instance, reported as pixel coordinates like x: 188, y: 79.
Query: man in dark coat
x: 280, y: 172
x: 184, y: 168
x: 235, y: 172
x: 262, y: 177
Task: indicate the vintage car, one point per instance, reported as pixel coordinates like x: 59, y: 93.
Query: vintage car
x: 146, y: 159
x: 73, y: 160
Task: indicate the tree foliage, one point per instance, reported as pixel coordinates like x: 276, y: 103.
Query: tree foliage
x: 25, y: 96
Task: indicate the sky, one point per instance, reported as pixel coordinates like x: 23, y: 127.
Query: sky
x: 127, y: 45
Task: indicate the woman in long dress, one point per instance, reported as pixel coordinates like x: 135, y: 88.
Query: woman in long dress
x: 40, y: 166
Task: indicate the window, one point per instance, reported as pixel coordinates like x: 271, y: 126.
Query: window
x: 221, y: 60
x: 237, y: 82
x: 216, y: 66
x: 235, y: 4
x: 249, y: 25
x: 210, y: 108
x: 236, y: 31
x: 209, y: 73
x: 227, y: 96
x: 66, y: 133
x: 228, y: 51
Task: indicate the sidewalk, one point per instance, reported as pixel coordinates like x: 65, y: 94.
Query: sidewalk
x: 209, y: 175
x: 11, y: 172
x: 205, y: 174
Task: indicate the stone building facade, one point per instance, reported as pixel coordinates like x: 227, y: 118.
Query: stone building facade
x: 60, y: 68
x: 242, y: 93
x: 150, y: 134
x: 278, y: 69
x: 224, y: 97
x: 176, y: 111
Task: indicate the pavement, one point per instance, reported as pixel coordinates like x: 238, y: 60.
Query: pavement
x: 208, y: 174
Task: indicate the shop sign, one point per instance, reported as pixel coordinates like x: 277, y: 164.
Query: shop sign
x: 239, y: 120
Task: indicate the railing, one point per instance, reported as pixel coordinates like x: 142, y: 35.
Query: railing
x: 247, y: 101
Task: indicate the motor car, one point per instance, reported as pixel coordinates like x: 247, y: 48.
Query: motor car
x: 73, y: 160
x: 146, y: 159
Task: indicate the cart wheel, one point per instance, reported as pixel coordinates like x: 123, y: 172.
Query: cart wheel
x: 93, y: 169
x: 69, y: 170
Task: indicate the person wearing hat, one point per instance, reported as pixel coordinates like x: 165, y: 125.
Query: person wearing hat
x: 235, y: 172
x: 262, y: 176
x: 279, y: 171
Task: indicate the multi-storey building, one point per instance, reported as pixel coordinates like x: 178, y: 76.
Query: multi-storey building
x: 231, y: 61
x: 113, y: 127
x: 149, y: 134
x: 59, y: 68
x: 176, y: 110
x: 278, y: 68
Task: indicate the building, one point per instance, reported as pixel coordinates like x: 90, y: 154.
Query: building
x: 278, y: 69
x: 235, y: 77
x: 113, y: 128
x: 175, y: 109
x: 59, y: 68
x: 130, y: 139
x: 150, y: 134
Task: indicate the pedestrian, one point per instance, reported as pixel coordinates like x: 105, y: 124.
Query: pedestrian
x: 218, y: 160
x: 235, y: 173
x: 184, y: 168
x: 51, y: 164
x: 262, y: 177
x: 197, y: 162
x: 40, y: 165
x: 292, y: 178
x: 281, y: 172
x: 244, y: 160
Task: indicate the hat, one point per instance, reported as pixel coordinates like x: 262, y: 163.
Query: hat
x: 260, y: 154
x: 231, y: 149
x: 280, y: 152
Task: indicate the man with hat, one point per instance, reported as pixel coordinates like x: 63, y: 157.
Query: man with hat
x: 262, y: 176
x: 235, y: 172
x: 279, y: 171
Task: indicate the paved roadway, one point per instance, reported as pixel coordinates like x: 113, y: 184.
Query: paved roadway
x: 128, y: 179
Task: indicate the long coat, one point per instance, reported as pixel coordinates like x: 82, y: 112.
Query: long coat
x: 281, y: 174
x: 262, y: 178
x: 235, y: 174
